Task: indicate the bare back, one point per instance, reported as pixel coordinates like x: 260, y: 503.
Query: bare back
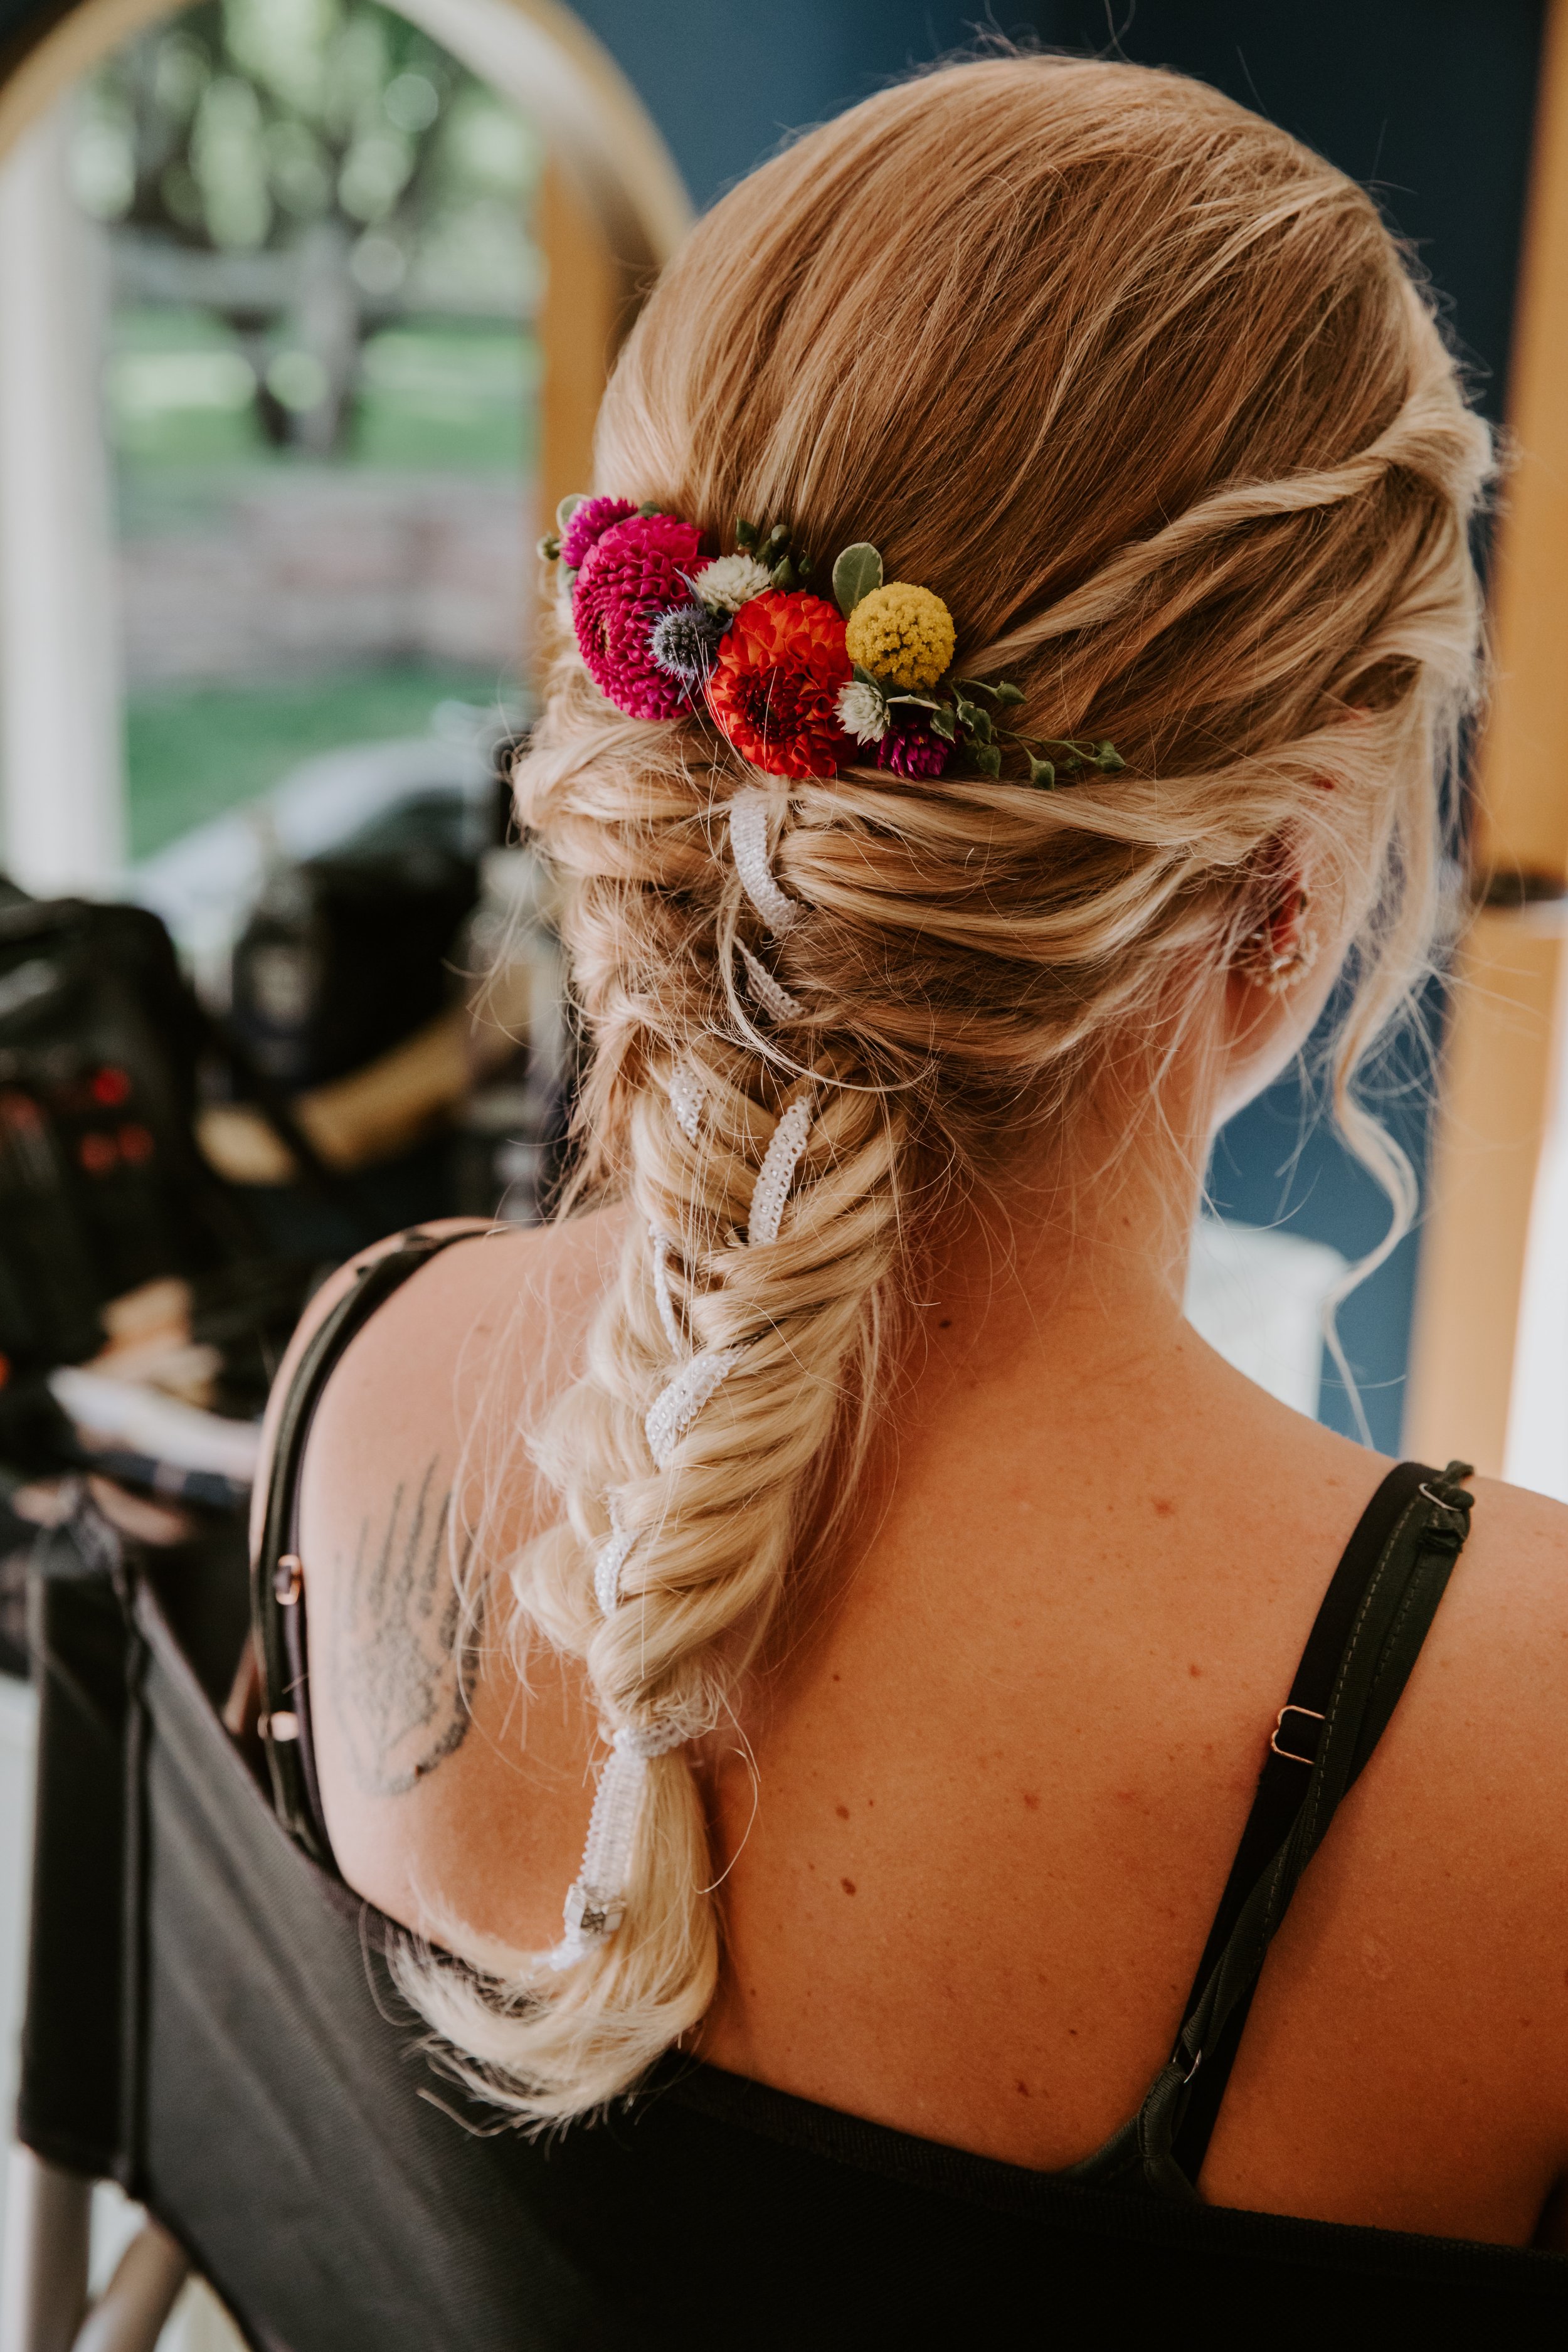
x: 974, y: 1818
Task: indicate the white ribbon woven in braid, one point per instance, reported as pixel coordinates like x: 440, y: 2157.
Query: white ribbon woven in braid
x: 664, y: 1299
x: 770, y: 993
x: 749, y: 849
x: 612, y: 1558
x: 686, y: 1098
x: 679, y: 1401
x: 595, y: 1901
x: 776, y: 1173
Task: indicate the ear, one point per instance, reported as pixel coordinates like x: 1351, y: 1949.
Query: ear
x: 1279, y: 980
x: 1284, y: 946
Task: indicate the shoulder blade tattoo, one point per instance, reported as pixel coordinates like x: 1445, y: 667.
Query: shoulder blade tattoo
x: 404, y: 1674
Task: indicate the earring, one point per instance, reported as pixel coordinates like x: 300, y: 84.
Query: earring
x: 1283, y: 950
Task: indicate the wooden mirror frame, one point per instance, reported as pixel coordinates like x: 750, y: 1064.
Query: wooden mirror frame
x: 1509, y: 1020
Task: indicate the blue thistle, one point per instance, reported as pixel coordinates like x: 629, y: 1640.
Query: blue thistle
x: 685, y: 640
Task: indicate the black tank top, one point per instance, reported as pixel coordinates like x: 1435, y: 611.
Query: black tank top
x: 703, y: 2180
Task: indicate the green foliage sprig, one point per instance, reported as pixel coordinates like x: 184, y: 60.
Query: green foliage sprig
x: 787, y: 566
x: 1048, y: 755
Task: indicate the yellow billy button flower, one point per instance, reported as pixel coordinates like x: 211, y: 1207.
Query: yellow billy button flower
x: 902, y: 635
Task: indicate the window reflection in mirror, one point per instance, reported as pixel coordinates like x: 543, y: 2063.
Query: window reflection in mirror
x: 319, y: 397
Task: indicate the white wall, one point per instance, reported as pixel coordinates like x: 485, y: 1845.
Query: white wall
x: 1258, y: 1297
x: 62, y: 782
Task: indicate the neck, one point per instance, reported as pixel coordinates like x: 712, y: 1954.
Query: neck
x: 1077, y: 1268
x: 1045, y: 1320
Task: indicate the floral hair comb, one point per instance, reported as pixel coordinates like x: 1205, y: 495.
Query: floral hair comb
x: 799, y: 686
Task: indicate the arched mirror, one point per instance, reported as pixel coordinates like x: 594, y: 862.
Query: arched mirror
x: 308, y: 310
x: 306, y: 307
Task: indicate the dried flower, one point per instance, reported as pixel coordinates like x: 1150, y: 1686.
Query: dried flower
x: 902, y: 633
x: 732, y: 580
x: 774, y: 687
x: 587, y: 524
x: 909, y: 748
x: 863, y: 712
x: 633, y: 575
x: 685, y: 641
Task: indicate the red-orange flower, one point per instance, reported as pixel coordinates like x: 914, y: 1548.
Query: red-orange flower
x: 775, y: 687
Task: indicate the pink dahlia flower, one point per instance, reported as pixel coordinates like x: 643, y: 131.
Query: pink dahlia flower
x: 593, y: 519
x: 633, y: 572
x: 909, y: 748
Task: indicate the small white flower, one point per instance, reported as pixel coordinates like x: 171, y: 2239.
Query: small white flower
x: 862, y: 712
x: 730, y: 582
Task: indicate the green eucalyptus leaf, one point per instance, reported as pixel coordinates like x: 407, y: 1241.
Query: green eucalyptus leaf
x: 1008, y: 694
x: 648, y: 509
x: 567, y: 508
x: 783, y: 573
x: 803, y: 567
x: 866, y: 678
x: 987, y: 757
x: 1042, y: 772
x: 857, y: 572
x: 968, y: 716
x: 746, y: 536
x: 941, y: 723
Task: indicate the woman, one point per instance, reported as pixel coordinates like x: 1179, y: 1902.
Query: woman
x: 946, y: 853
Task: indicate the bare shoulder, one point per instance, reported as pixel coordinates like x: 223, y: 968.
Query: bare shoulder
x: 319, y: 1307
x: 1507, y: 1611
x: 495, y: 1322
x: 451, y: 1767
x: 1521, y: 1533
x: 1481, y: 1764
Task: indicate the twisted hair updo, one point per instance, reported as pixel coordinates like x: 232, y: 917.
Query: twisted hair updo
x: 1142, y: 390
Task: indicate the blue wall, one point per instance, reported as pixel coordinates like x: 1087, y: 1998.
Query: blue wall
x: 1429, y: 102
x: 727, y: 80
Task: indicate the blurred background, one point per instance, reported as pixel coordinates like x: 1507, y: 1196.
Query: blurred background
x: 305, y: 309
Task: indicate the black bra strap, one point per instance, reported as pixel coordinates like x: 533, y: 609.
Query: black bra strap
x: 1366, y: 1638
x: 1292, y: 1749
x: 277, y: 1577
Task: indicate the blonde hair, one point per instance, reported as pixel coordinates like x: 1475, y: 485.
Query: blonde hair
x: 1143, y: 389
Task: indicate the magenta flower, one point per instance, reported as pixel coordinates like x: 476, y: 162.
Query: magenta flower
x: 593, y: 519
x: 633, y: 572
x: 910, y: 748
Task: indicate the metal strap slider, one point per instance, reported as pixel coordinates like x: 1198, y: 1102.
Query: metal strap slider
x: 1291, y: 1754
